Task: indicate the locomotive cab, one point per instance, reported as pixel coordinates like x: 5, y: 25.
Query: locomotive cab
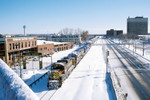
x: 55, y: 78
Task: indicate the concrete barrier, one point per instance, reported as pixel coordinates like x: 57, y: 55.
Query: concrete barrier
x: 12, y: 87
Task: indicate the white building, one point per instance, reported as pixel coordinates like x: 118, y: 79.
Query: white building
x: 145, y: 37
x: 76, y: 39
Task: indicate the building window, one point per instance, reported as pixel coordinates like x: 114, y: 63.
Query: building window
x: 35, y: 43
x: 22, y: 44
x: 15, y: 55
x: 45, y: 48
x: 40, y: 49
x: 10, y: 46
x: 13, y: 45
x: 25, y: 44
x: 29, y: 43
x: 32, y: 43
x: 9, y: 56
x: 16, y: 45
x: 19, y: 45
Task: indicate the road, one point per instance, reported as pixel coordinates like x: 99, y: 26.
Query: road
x: 133, y: 74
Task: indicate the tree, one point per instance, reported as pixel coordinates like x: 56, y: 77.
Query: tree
x: 77, y: 31
x: 1, y: 35
x: 84, y: 35
x: 66, y: 31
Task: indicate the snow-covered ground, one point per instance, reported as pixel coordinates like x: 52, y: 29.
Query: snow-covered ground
x: 86, y: 82
x: 139, y: 49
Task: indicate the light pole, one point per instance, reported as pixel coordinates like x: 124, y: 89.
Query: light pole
x: 24, y: 27
x: 51, y: 56
x: 51, y: 59
x: 33, y: 70
x: 143, y: 48
x: 19, y: 60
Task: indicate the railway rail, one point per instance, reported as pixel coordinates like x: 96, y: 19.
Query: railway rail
x: 139, y: 67
x: 37, y: 80
x: 48, y: 95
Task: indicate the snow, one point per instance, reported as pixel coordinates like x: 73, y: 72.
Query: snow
x: 12, y: 86
x: 139, y: 49
x: 86, y: 82
x: 41, y: 42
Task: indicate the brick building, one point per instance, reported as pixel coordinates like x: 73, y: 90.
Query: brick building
x: 46, y: 47
x: 12, y: 48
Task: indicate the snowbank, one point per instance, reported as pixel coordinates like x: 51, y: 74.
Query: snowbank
x: 12, y: 87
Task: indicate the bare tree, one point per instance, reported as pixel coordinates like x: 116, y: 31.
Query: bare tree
x: 66, y: 31
x: 77, y: 31
x: 84, y: 35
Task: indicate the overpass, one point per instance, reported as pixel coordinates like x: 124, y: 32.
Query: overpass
x: 97, y: 34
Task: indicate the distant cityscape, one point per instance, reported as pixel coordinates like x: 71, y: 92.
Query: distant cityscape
x: 137, y: 26
x: 13, y: 45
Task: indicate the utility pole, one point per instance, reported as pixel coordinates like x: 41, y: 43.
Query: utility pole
x: 143, y: 48
x: 20, y: 61
x: 18, y: 44
x: 135, y: 46
x: 24, y: 27
x: 51, y: 59
x: 107, y: 54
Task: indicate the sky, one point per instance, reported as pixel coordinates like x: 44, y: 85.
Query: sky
x: 51, y: 16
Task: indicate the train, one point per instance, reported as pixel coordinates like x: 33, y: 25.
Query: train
x: 61, y: 69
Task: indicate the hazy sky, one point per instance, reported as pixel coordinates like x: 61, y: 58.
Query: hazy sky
x: 49, y: 16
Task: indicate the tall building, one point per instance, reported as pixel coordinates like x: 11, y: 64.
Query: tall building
x: 137, y: 26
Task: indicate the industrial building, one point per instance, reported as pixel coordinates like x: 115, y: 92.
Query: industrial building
x: 137, y: 26
x: 113, y: 33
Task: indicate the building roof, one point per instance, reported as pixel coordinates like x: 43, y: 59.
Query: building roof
x: 66, y: 36
x: 41, y: 42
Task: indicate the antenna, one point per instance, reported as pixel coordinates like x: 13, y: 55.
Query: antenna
x: 24, y: 27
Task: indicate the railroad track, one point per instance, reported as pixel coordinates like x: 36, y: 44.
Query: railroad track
x: 130, y: 58
x: 137, y: 66
x: 48, y: 95
x: 37, y: 80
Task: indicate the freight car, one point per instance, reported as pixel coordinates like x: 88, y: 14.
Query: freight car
x: 62, y: 68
